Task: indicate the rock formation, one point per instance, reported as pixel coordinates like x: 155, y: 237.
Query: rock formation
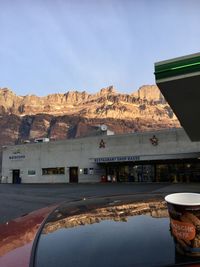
x: 75, y: 114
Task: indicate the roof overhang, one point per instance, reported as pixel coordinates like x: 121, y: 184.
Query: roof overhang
x: 179, y: 82
x: 138, y: 158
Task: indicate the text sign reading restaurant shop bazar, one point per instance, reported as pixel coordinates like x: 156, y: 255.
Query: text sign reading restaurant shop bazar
x: 116, y: 159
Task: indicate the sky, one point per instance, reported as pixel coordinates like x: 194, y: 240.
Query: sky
x: 53, y: 46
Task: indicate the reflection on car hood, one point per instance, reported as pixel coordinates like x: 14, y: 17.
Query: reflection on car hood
x: 115, y: 231
x: 116, y: 211
x: 111, y: 231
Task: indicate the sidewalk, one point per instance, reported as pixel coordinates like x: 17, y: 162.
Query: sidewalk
x: 179, y: 187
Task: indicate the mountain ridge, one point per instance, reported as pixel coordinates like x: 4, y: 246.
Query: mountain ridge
x: 76, y: 114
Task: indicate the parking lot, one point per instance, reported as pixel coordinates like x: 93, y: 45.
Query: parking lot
x: 19, y: 199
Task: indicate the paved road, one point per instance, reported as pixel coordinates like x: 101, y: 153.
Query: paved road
x: 16, y: 200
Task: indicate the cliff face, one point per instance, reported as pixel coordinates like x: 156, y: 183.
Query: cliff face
x: 75, y: 114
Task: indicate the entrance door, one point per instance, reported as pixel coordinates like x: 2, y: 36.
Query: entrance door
x: 73, y: 174
x: 15, y: 176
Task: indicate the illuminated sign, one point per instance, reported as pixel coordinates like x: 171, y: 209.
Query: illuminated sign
x: 116, y: 159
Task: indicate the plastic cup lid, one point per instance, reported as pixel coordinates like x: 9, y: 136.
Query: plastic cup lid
x: 185, y: 199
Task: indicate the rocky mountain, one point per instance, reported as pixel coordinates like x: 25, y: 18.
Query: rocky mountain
x: 75, y: 114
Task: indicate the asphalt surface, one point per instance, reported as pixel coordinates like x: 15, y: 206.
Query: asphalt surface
x: 19, y: 199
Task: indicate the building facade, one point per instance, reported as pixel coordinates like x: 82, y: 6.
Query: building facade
x: 159, y: 156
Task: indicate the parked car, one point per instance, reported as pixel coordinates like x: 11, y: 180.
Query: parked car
x: 111, y: 231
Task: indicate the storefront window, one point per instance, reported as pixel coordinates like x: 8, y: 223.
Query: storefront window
x: 144, y: 173
x: 162, y: 173
x: 31, y: 172
x: 131, y: 173
x: 179, y: 172
x: 123, y: 173
x: 51, y: 171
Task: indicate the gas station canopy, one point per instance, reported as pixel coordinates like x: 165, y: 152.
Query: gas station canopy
x: 179, y: 81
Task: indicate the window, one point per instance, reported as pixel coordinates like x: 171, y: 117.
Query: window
x: 31, y: 172
x: 85, y: 170
x: 51, y: 171
x: 91, y: 171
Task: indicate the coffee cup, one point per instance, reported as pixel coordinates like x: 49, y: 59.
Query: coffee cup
x: 184, y: 213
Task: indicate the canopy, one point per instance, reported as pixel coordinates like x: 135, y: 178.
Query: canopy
x: 179, y: 81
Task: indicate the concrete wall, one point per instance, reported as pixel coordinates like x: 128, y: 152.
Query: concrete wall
x: 82, y: 152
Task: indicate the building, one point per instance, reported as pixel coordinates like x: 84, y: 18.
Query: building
x: 160, y: 156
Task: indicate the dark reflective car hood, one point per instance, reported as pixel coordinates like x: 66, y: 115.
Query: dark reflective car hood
x: 110, y: 231
x: 115, y: 231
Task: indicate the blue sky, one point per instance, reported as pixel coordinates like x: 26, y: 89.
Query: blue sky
x: 53, y: 46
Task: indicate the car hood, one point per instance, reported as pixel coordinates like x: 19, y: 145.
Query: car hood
x: 17, y: 236
x: 114, y: 231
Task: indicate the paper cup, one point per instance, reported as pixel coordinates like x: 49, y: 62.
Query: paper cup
x: 184, y: 213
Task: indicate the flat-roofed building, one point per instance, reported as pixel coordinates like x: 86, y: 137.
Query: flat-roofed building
x: 157, y: 156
